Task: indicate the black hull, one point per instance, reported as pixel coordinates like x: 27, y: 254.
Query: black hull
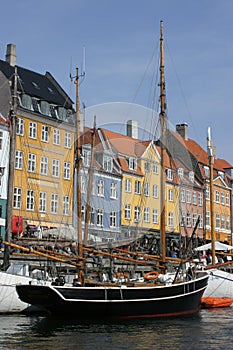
x: 117, y: 302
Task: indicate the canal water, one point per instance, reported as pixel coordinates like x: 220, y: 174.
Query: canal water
x: 210, y: 329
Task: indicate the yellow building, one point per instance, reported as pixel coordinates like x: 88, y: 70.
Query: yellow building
x: 43, y: 178
x: 139, y: 164
x: 221, y: 210
x: 44, y: 154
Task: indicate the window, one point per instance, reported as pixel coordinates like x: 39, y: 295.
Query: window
x: 32, y: 130
x: 170, y: 220
x: 169, y: 174
x: 191, y: 176
x: 180, y: 173
x: 44, y: 133
x: 45, y: 108
x: 207, y: 219
x: 222, y: 197
x: 128, y: 185
x: 55, y: 167
x: 217, y: 196
x: 182, y: 195
x: 113, y: 190
x: 30, y: 200
x: 137, y: 187
x: 155, y: 169
x: 112, y: 219
x: 132, y: 163
x: 99, y: 218
x: 188, y: 219
x: 155, y: 191
x: 26, y: 101
x: 18, y: 160
x: 100, y: 188
x: 86, y: 157
x: 200, y: 199
x: 66, y: 205
x: 127, y: 212
x: 54, y: 203
x: 207, y: 193
x: 147, y: 167
x: 17, y: 198
x: 42, y: 202
x: 44, y: 165
x: 20, y: 127
x: 170, y: 195
x: 66, y: 170
x: 92, y: 216
x: 223, y: 221
x: 194, y: 198
x: 31, y: 162
x: 217, y: 220
x: 194, y: 219
x: 146, y: 215
x: 228, y: 222
x: 227, y: 199
x: 155, y: 216
x: 201, y: 221
x: 182, y: 218
x: 146, y: 189
x: 67, y: 142
x: 207, y: 171
x: 56, y: 137
x: 137, y: 214
x: 188, y: 196
x: 107, y: 163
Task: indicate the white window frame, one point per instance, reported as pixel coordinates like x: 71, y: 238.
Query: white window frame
x: 32, y: 130
x: 54, y: 203
x: 30, y: 200
x: 17, y: 198
x: 42, y: 202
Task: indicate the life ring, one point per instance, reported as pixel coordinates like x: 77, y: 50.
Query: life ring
x: 121, y: 274
x: 153, y: 275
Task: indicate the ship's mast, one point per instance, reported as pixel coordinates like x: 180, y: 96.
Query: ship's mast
x: 163, y: 126
x: 211, y: 164
x: 78, y: 164
x: 12, y: 135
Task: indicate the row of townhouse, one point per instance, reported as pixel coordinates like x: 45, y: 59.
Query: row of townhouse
x: 125, y: 196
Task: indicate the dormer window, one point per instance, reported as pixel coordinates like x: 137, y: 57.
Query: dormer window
x: 26, y: 101
x: 169, y: 174
x: 86, y: 154
x: 207, y: 171
x: 61, y: 113
x: 191, y: 176
x: 180, y: 173
x: 132, y: 163
x: 45, y: 108
x: 221, y: 174
x: 107, y: 163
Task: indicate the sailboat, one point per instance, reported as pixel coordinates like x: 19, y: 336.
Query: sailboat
x: 220, y: 283
x: 127, y: 299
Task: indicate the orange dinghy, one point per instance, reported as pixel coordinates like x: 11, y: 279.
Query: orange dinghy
x: 208, y: 302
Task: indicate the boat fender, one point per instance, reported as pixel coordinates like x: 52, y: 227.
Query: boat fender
x: 152, y: 275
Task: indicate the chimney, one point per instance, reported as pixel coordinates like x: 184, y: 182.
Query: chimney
x: 132, y: 129
x: 182, y: 129
x: 11, y: 54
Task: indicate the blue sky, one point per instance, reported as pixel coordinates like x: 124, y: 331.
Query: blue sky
x: 121, y: 43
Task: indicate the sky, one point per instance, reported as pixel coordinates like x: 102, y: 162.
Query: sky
x: 121, y: 44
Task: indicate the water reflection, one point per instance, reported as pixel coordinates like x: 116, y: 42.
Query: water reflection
x: 211, y: 329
